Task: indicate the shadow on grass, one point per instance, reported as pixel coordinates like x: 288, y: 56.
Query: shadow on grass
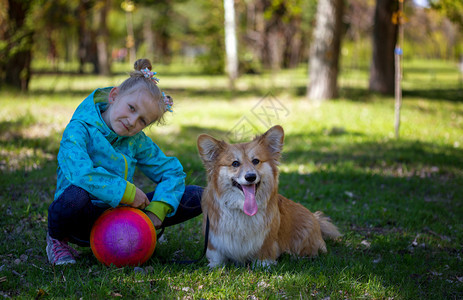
x: 328, y: 148
x: 52, y: 93
x: 347, y: 93
x: 386, y: 211
x: 364, y: 95
x: 333, y: 147
x: 449, y: 94
x: 165, y: 70
x: 13, y: 134
x: 178, y: 93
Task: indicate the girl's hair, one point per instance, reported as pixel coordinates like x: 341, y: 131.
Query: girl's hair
x: 137, y: 81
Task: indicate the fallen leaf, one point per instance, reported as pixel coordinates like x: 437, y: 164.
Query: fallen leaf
x: 349, y: 194
x: 365, y: 243
x: 40, y: 294
x: 415, y: 241
x: 435, y: 273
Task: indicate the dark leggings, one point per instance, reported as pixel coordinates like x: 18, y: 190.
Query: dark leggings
x: 72, y: 215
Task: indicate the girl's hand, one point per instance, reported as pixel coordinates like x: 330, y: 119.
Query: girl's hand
x: 140, y: 201
x: 156, y: 222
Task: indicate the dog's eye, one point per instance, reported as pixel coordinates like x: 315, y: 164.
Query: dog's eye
x: 255, y: 161
x: 236, y: 164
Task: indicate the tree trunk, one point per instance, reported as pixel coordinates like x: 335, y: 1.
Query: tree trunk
x: 148, y: 34
x: 102, y: 38
x: 273, y: 33
x: 231, y: 46
x: 324, y: 52
x: 83, y: 33
x: 16, y: 55
x: 293, y: 44
x: 382, y: 70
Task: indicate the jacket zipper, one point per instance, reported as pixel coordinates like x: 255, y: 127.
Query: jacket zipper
x: 126, y: 167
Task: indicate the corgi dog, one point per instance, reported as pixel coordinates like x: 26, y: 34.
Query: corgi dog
x: 249, y: 221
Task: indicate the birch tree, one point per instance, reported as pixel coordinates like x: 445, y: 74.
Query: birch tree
x: 231, y: 45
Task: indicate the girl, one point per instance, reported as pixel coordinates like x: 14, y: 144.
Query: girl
x: 98, y: 153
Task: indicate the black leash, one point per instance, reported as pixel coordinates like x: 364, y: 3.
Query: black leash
x: 187, y: 262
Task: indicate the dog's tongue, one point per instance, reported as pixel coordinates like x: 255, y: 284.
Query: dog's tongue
x: 250, y: 204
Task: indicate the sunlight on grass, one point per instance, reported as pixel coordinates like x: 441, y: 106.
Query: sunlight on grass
x: 27, y: 159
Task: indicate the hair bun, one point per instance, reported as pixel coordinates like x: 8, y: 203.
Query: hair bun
x: 141, y: 64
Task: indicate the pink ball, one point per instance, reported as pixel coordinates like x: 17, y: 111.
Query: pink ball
x: 123, y: 236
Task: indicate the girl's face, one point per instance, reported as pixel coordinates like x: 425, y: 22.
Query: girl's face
x: 128, y: 114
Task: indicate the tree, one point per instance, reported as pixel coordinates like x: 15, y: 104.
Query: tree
x: 102, y: 37
x: 274, y: 31
x: 86, y: 41
x: 382, y: 68
x: 231, y: 45
x: 324, y: 51
x: 452, y: 8
x: 16, y: 41
x: 53, y: 23
x: 208, y: 40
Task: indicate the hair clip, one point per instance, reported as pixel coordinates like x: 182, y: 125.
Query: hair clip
x: 150, y: 75
x: 168, y: 102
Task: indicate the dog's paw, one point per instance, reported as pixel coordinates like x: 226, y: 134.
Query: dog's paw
x: 214, y: 265
x: 215, y: 259
x: 266, y: 263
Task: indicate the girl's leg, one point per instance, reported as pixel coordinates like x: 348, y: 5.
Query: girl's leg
x: 71, y: 216
x: 189, y: 207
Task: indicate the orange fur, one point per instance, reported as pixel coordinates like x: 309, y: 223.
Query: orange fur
x: 279, y: 225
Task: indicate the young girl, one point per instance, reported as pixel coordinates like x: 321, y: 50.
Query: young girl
x: 100, y: 148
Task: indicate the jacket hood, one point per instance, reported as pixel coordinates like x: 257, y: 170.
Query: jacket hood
x: 89, y: 112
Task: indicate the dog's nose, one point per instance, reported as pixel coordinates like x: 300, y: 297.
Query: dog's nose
x: 250, y: 177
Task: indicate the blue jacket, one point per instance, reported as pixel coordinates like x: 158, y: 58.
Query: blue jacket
x: 98, y: 160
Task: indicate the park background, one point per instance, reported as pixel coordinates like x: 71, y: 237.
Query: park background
x: 329, y: 71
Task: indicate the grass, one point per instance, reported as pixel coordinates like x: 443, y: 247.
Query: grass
x: 397, y: 202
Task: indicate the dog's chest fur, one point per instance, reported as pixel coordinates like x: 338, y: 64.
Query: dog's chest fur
x: 237, y: 236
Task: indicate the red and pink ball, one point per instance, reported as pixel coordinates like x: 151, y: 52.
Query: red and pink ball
x: 123, y: 236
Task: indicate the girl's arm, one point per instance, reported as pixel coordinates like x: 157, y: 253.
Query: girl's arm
x: 79, y: 169
x: 166, y: 172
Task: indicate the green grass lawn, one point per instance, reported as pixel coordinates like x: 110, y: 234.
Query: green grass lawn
x: 398, y: 203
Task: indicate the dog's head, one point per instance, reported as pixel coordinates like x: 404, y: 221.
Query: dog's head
x: 248, y: 170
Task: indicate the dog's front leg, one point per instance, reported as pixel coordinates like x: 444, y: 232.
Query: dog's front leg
x: 268, y: 254
x: 215, y: 258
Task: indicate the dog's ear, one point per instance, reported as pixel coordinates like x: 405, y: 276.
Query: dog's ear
x: 274, y: 139
x: 209, y: 148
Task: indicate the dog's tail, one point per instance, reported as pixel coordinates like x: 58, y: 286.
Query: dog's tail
x: 329, y: 230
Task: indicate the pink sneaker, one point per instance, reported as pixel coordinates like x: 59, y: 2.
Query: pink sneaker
x: 59, y: 252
